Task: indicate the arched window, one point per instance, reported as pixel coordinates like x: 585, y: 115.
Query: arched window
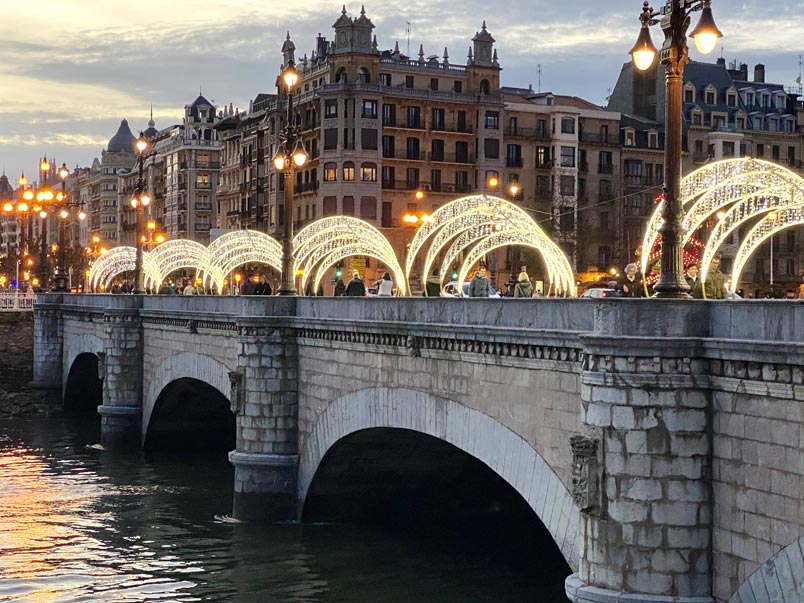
x: 484, y: 87
x: 363, y: 76
x: 340, y: 76
x: 330, y: 171
x: 348, y: 170
x: 368, y: 172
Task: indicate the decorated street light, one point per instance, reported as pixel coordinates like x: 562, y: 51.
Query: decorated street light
x: 64, y: 205
x: 290, y: 155
x: 674, y: 19
x: 139, y: 202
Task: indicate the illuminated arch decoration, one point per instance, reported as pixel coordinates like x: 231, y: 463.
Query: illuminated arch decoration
x: 239, y: 247
x: 488, y: 223
x: 176, y: 255
x: 718, y: 186
x: 763, y: 230
x: 114, y: 262
x: 329, y: 240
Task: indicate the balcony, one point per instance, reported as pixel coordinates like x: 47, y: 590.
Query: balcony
x: 202, y: 227
x: 603, y: 139
x: 182, y: 186
x: 513, y: 162
x: 203, y: 185
x: 534, y: 133
x: 203, y: 206
x: 605, y: 168
x: 307, y: 187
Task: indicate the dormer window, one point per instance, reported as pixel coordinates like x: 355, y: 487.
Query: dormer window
x: 731, y: 99
x: 653, y: 140
x: 629, y: 138
x: 749, y: 99
x: 689, y: 93
x: 710, y: 97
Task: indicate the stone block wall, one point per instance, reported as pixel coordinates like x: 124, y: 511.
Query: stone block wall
x: 16, y: 365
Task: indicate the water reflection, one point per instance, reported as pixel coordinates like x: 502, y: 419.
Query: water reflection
x: 81, y: 525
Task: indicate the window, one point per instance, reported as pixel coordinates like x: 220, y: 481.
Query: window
x: 368, y: 172
x: 330, y: 138
x: 605, y: 166
x: 408, y: 81
x: 567, y: 125
x: 462, y: 151
x: 385, y: 79
x: 435, y: 180
x: 462, y: 122
x: 542, y: 157
x: 542, y: 186
x: 731, y: 99
x: 330, y: 172
x: 368, y: 139
x: 413, y: 148
x: 605, y: 190
x: 492, y: 120
x: 414, y: 117
x: 433, y: 83
x: 491, y: 148
x: 567, y: 185
x: 437, y: 150
x: 710, y: 97
x: 388, y: 146
x: 760, y: 150
x: 348, y: 170
x: 368, y: 208
x: 461, y: 182
x: 513, y: 156
x: 388, y: 176
x: 413, y: 178
x: 653, y: 140
x: 566, y: 219
x: 689, y: 96
x: 604, y: 220
x: 349, y: 206
x: 438, y: 119
x: 389, y: 115
x: 775, y: 152
x: 369, y: 109
x: 330, y: 206
x: 633, y: 172
x: 331, y: 108
x: 791, y: 155
x: 567, y: 156
x: 457, y: 87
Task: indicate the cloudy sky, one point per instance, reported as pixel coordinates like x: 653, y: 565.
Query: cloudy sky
x: 71, y: 69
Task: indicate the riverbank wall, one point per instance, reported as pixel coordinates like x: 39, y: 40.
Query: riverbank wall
x: 17, y: 397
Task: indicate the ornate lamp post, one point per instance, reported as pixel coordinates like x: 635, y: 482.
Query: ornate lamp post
x: 674, y: 18
x: 64, y: 204
x: 290, y: 154
x: 139, y: 202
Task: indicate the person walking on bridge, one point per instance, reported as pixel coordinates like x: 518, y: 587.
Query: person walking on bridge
x: 523, y: 288
x: 356, y: 287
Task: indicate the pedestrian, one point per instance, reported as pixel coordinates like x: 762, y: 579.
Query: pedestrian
x: 189, y: 289
x: 199, y: 287
x: 340, y: 288
x: 432, y: 286
x: 715, y: 285
x: 126, y: 288
x: 694, y: 281
x: 356, y: 287
x: 630, y: 285
x: 523, y: 288
x: 479, y: 285
x: 385, y: 286
x: 165, y: 289
x: 249, y: 287
x: 266, y: 286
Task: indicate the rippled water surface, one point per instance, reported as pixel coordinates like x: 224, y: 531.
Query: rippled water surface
x: 77, y: 524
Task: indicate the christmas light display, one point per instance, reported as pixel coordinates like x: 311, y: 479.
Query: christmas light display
x: 176, y: 255
x: 464, y: 222
x: 359, y: 249
x: 768, y: 226
x: 239, y: 247
x: 112, y: 264
x: 732, y: 190
x: 314, y: 244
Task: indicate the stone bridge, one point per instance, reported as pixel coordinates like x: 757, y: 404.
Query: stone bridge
x: 658, y: 442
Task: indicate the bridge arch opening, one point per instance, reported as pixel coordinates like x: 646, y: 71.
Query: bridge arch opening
x: 419, y: 485
x: 83, y: 390
x: 191, y: 416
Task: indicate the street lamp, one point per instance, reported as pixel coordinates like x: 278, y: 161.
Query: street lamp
x: 290, y: 154
x: 139, y: 202
x: 65, y: 205
x: 674, y: 20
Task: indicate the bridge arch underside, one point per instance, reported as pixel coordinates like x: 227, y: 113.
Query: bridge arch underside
x: 83, y: 388
x: 190, y: 415
x: 397, y: 455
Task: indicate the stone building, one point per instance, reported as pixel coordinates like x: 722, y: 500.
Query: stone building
x: 9, y: 226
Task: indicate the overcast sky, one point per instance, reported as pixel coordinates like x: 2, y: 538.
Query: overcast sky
x: 72, y: 69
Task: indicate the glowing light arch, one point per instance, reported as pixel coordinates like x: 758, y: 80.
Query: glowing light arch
x: 350, y: 250
x: 451, y: 221
x: 176, y: 255
x: 316, y: 242
x: 716, y: 186
x: 114, y: 262
x: 239, y: 247
x: 762, y: 231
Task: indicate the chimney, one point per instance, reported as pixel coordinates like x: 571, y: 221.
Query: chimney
x: 759, y: 73
x: 744, y: 72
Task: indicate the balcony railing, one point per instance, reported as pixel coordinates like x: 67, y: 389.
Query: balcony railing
x: 536, y: 133
x: 515, y: 162
x: 595, y: 138
x: 202, y: 227
x: 605, y: 168
x: 203, y: 206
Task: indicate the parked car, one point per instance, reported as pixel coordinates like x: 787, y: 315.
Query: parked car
x: 451, y: 290
x: 599, y: 293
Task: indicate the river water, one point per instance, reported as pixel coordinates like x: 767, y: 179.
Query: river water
x: 78, y: 524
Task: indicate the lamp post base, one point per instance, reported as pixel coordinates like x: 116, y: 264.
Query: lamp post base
x: 61, y: 283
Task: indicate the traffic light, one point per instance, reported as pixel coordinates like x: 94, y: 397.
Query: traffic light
x: 338, y: 270
x: 454, y: 275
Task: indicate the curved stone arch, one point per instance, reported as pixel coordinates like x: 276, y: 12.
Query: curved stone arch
x: 780, y: 578
x: 86, y: 343
x: 763, y: 230
x: 469, y: 430
x: 186, y: 365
